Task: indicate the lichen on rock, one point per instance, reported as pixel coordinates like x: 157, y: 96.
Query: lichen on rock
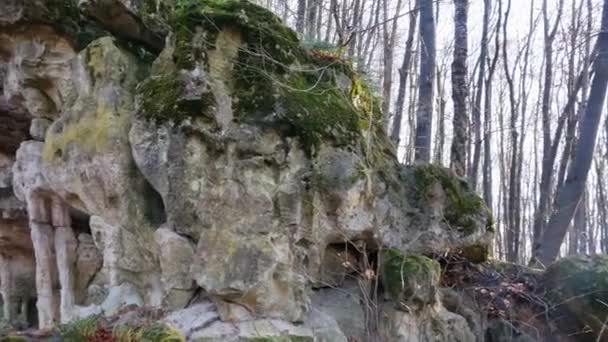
x: 462, y: 203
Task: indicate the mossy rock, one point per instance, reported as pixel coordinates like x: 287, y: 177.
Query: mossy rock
x: 579, y: 286
x: 463, y: 207
x: 65, y: 17
x: 96, y: 124
x: 272, y: 79
x: 411, y: 280
x: 476, y: 253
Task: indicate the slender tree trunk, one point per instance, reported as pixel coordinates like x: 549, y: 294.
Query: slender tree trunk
x: 487, y: 141
x: 301, y: 16
x: 460, y: 88
x: 389, y: 30
x: 602, y: 205
x: 311, y: 18
x: 569, y: 195
x: 403, y: 75
x: 547, y: 168
x: 424, y: 114
x: 474, y: 170
x: 441, y: 103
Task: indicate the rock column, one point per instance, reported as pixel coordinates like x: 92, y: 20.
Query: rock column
x: 65, y: 249
x: 9, y: 308
x: 46, y: 266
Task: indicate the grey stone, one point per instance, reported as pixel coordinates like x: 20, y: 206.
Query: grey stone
x: 38, y: 128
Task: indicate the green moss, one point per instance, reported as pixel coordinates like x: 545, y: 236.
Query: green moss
x: 79, y: 330
x: 268, y: 40
x: 462, y: 203
x: 477, y: 253
x: 160, y: 98
x: 407, y: 276
x: 323, y: 112
x: 582, y: 278
x: 95, y: 124
x: 315, y: 98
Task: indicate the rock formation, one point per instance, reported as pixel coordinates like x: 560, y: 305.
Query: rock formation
x: 192, y: 155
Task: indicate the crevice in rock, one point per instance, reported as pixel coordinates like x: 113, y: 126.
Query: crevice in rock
x: 154, y: 207
x: 32, y: 313
x: 339, y: 262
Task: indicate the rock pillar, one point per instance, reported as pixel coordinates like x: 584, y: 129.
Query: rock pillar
x: 46, y: 269
x: 46, y: 266
x: 65, y: 250
x: 9, y: 308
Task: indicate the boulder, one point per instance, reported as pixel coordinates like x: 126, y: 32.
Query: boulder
x: 411, y: 281
x: 176, y: 256
x: 264, y: 177
x: 345, y: 305
x: 578, y: 287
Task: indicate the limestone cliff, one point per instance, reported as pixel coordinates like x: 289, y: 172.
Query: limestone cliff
x: 194, y: 156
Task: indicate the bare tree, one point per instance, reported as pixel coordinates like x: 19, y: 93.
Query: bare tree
x: 460, y: 88
x: 474, y: 169
x: 487, y: 114
x: 403, y: 75
x: 547, y: 168
x: 424, y: 113
x: 569, y: 195
x: 389, y: 29
x: 301, y: 16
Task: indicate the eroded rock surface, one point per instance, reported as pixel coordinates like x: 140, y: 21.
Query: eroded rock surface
x: 195, y: 156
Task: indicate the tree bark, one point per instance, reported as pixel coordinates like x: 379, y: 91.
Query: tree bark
x: 460, y: 88
x: 301, y: 16
x: 474, y: 170
x: 403, y: 75
x: 388, y: 34
x: 547, y: 168
x: 424, y: 114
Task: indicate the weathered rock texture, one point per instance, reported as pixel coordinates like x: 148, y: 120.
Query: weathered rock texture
x: 192, y: 155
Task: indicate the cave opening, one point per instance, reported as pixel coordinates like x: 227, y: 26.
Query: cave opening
x: 80, y: 221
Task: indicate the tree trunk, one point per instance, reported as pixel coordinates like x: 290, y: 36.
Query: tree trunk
x: 547, y: 168
x: 301, y: 16
x: 460, y: 88
x: 424, y: 113
x: 388, y: 34
x: 569, y: 195
x: 403, y: 74
x: 474, y: 170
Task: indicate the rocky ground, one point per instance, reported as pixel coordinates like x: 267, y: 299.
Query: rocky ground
x: 187, y: 170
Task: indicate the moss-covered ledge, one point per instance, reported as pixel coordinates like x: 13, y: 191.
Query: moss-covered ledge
x: 273, y: 79
x: 463, y: 207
